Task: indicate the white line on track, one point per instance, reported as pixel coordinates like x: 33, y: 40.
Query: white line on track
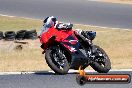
x: 20, y: 17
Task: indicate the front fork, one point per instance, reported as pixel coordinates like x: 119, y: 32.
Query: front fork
x: 94, y: 55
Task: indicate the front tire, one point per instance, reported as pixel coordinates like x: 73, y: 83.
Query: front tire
x: 50, y: 59
x: 101, y: 66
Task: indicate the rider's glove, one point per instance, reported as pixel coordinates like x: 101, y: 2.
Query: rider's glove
x: 64, y: 26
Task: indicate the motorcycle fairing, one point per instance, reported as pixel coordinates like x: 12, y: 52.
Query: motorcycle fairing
x: 69, y: 41
x: 60, y: 35
x: 79, y: 56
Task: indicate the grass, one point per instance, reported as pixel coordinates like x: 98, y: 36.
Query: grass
x: 15, y: 23
x: 116, y: 42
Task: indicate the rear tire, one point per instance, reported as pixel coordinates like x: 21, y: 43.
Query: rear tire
x: 53, y: 64
x: 97, y: 65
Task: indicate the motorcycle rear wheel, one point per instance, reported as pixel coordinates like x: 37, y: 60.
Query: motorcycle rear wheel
x: 53, y: 64
x: 101, y: 67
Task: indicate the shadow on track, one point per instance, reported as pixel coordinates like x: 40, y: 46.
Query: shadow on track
x: 49, y: 73
x: 111, y: 72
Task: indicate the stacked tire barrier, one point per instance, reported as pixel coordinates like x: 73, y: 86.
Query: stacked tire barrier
x: 19, y: 35
x: 31, y: 34
x: 10, y: 35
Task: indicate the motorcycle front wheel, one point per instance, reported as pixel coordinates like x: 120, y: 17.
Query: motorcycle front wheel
x: 56, y: 60
x: 103, y: 64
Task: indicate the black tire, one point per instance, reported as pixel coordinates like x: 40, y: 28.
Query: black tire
x: 20, y: 34
x: 53, y: 64
x: 10, y: 35
x: 106, y: 64
x: 1, y: 35
x: 32, y: 34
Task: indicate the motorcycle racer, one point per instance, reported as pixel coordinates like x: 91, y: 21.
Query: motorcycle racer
x: 65, y: 48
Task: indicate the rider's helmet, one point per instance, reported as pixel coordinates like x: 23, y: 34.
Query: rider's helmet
x: 50, y: 20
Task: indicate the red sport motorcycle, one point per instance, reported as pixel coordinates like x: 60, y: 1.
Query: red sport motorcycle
x: 67, y: 49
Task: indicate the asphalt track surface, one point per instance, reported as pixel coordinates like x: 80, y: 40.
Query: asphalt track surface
x: 74, y: 11
x: 50, y: 80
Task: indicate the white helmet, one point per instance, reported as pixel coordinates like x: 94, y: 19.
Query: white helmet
x: 50, y: 20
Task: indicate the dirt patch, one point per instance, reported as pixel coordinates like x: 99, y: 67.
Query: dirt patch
x: 22, y: 57
x: 8, y: 46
